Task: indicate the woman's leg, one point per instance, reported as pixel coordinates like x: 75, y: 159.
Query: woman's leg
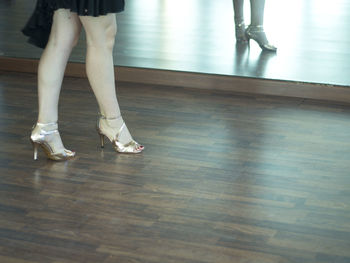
x: 257, y: 8
x: 238, y: 10
x: 256, y: 28
x: 239, y: 20
x: 100, y: 37
x: 64, y: 35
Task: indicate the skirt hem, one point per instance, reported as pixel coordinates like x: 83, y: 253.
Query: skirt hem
x: 38, y: 27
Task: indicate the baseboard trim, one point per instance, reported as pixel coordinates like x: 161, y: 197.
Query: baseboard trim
x: 199, y: 80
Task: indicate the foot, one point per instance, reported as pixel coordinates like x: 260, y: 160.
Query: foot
x: 258, y: 34
x: 47, y: 135
x: 240, y: 31
x: 115, y: 130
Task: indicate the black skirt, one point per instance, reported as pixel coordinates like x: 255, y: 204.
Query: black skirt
x: 38, y: 27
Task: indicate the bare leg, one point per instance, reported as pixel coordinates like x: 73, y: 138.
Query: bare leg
x: 100, y: 36
x: 63, y: 37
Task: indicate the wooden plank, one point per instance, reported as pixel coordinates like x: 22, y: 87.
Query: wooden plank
x: 225, y: 177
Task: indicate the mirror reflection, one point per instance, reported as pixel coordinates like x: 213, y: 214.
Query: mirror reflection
x: 312, y: 38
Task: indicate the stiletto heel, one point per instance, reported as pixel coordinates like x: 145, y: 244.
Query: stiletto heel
x: 40, y: 136
x: 35, y: 149
x: 102, y: 140
x: 131, y: 147
x: 257, y: 33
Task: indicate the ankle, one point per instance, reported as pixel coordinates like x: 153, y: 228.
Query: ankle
x: 110, y: 114
x: 113, y: 123
x: 256, y: 28
x: 110, y: 118
x: 45, y: 128
x: 46, y: 124
x: 239, y: 22
x: 47, y: 118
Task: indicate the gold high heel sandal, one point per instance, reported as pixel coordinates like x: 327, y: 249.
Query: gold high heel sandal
x: 39, y: 137
x: 130, y: 147
x: 257, y: 33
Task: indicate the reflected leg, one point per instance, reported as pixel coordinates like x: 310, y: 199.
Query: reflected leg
x: 239, y: 20
x: 257, y: 8
x: 256, y: 28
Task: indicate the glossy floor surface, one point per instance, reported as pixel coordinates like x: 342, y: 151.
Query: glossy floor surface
x: 312, y: 37
x: 224, y: 178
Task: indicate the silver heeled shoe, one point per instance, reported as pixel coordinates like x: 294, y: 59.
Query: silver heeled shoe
x: 39, y: 137
x: 257, y: 33
x: 130, y: 147
x: 240, y: 29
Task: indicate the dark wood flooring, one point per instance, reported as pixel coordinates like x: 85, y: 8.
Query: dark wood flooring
x: 312, y: 37
x: 224, y: 178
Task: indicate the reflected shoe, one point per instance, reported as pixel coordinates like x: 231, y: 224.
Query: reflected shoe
x: 111, y: 128
x: 48, y: 138
x: 257, y: 33
x: 240, y: 29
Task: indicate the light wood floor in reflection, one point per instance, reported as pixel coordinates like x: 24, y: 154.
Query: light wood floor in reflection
x: 312, y: 37
x: 224, y: 178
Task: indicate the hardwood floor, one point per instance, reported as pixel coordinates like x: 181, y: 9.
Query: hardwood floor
x: 224, y: 178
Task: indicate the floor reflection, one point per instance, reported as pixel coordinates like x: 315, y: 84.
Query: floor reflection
x: 248, y: 62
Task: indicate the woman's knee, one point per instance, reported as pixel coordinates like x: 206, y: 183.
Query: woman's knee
x: 100, y: 31
x: 64, y: 41
x: 105, y: 38
x: 65, y: 30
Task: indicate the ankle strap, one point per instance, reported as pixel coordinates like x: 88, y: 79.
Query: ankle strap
x: 256, y: 27
x: 240, y: 24
x: 46, y: 124
x: 110, y: 119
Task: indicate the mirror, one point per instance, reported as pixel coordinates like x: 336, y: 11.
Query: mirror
x: 312, y: 37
